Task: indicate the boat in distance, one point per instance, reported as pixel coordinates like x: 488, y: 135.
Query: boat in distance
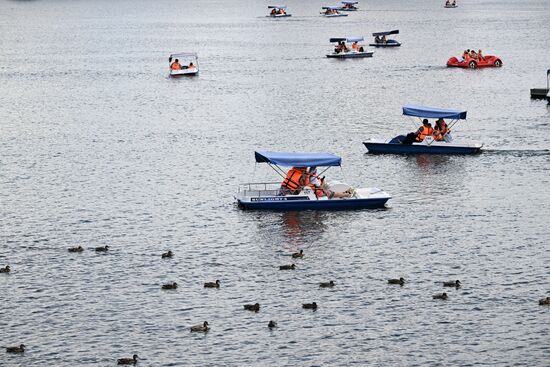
x: 443, y: 144
x: 325, y: 196
x: 342, y: 51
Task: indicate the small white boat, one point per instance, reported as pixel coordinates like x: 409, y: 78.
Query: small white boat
x: 185, y: 63
x: 344, y: 51
x: 278, y: 11
x: 332, y: 11
x: 449, y: 4
x: 349, y: 6
x: 334, y: 195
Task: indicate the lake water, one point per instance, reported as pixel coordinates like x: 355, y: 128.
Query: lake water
x: 99, y: 147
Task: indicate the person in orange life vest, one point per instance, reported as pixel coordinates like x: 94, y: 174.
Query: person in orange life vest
x: 294, y: 181
x: 175, y: 65
x: 440, y: 130
x: 424, y: 130
x: 355, y: 46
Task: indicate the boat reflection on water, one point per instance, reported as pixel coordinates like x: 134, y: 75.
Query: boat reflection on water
x: 300, y: 228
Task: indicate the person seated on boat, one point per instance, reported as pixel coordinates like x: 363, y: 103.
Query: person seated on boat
x: 344, y: 47
x: 377, y: 39
x: 440, y: 130
x: 282, y: 11
x: 448, y: 2
x: 273, y: 11
x: 473, y: 55
x: 175, y: 65
x: 480, y: 55
x: 361, y: 49
x: 384, y: 40
x: 466, y: 55
x: 420, y: 134
x: 294, y: 181
x: 191, y: 65
x: 454, y: 2
x: 355, y: 46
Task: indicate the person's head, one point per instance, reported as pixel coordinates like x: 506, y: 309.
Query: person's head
x: 313, y: 170
x: 425, y: 122
x: 191, y: 63
x: 177, y: 61
x: 478, y: 51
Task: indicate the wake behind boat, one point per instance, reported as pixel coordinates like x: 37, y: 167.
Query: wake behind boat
x: 303, y: 188
x: 427, y: 140
x: 343, y: 51
x: 185, y: 63
x: 380, y: 39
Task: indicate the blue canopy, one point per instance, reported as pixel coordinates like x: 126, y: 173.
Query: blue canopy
x: 432, y: 112
x: 334, y: 7
x: 276, y: 6
x: 378, y: 34
x: 298, y: 159
x: 350, y: 2
x: 347, y: 39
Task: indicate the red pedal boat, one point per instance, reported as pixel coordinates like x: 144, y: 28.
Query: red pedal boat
x: 474, y: 63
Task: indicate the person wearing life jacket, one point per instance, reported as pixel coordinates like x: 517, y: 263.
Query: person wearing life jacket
x: 175, y: 65
x: 424, y: 130
x: 315, y: 182
x: 355, y: 46
x: 294, y: 181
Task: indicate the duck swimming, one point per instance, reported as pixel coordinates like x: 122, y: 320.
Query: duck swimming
x: 327, y: 284
x: 5, y: 269
x: 132, y: 360
x: 19, y: 349
x: 310, y: 306
x: 455, y: 284
x: 298, y: 255
x: 102, y: 248
x: 255, y: 307
x: 200, y: 328
x: 272, y: 324
x: 399, y: 281
x: 544, y: 301
x: 173, y: 285
x: 76, y: 249
x: 440, y: 296
x: 168, y: 255
x: 287, y: 267
x: 215, y: 284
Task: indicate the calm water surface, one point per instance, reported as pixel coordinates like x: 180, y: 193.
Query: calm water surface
x: 99, y: 147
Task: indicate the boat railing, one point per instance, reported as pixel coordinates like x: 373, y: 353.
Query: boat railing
x: 258, y: 189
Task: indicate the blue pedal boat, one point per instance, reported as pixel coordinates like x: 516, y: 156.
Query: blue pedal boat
x: 381, y: 41
x: 349, y: 5
x: 429, y: 145
x: 269, y: 196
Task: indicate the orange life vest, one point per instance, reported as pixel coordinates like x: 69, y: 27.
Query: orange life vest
x: 175, y: 66
x: 424, y: 131
x: 293, y: 180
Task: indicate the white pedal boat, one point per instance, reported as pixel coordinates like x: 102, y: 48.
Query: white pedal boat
x: 351, y: 53
x: 188, y: 61
x: 278, y: 11
x: 268, y: 196
x: 332, y: 11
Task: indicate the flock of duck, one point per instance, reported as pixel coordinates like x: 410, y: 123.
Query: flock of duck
x: 204, y: 327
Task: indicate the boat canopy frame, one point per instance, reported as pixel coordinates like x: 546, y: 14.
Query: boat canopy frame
x: 332, y: 7
x: 302, y: 160
x: 347, y: 2
x: 347, y: 39
x: 276, y: 6
x: 378, y: 34
x: 433, y: 112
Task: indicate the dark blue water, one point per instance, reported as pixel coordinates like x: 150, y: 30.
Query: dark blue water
x: 99, y: 147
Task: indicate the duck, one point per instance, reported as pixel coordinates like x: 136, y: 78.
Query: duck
x: 200, y: 328
x: 102, y: 248
x: 173, y: 285
x: 76, y: 249
x: 327, y: 284
x: 399, y: 281
x: 544, y: 301
x: 168, y: 255
x: 310, y: 306
x: 5, y: 269
x: 298, y: 255
x: 132, y: 360
x: 440, y: 296
x: 287, y: 267
x: 19, y: 349
x: 215, y: 284
x: 271, y: 324
x: 455, y: 284
x: 255, y: 307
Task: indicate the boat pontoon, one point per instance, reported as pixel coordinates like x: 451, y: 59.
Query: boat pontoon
x: 270, y: 196
x: 429, y: 145
x: 332, y: 11
x: 381, y: 41
x: 187, y: 64
x: 278, y: 11
x: 348, y: 51
x: 349, y: 5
